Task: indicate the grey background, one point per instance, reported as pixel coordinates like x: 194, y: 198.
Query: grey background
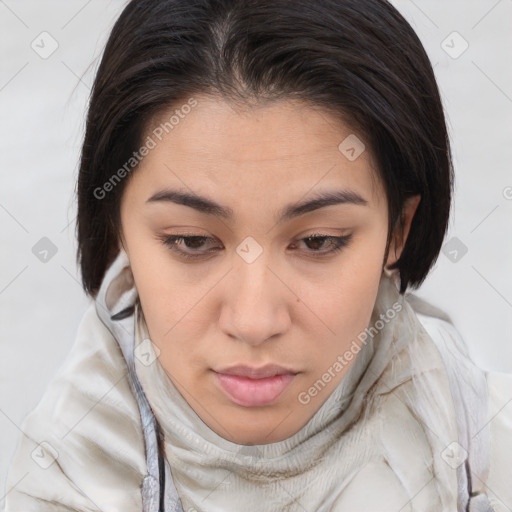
x: 43, y: 103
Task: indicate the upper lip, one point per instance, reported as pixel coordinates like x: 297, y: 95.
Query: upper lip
x: 269, y: 370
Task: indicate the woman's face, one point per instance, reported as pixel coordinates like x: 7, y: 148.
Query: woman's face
x: 249, y: 288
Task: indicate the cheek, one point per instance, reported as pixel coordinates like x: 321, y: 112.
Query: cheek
x: 347, y: 309
x: 343, y: 302
x: 162, y: 293
x: 174, y: 310
x: 158, y: 292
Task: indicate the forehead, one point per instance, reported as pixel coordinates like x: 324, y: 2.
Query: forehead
x: 286, y: 146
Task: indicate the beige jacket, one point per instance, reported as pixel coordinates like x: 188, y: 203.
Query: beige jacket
x: 423, y: 429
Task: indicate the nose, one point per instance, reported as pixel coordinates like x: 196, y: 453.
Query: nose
x: 255, y: 302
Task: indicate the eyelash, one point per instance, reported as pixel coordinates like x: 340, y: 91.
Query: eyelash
x: 338, y: 243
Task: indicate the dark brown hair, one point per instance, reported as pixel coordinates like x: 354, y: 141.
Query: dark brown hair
x: 358, y: 59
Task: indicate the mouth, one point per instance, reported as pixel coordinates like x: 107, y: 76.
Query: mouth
x: 250, y: 387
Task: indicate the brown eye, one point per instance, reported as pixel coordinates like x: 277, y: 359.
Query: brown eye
x: 194, y: 242
x: 189, y: 246
x: 334, y: 243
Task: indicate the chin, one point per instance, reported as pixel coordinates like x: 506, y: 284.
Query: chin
x: 256, y: 425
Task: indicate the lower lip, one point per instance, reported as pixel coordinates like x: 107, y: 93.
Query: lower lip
x: 253, y: 392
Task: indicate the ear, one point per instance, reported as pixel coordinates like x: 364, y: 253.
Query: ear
x: 402, y: 229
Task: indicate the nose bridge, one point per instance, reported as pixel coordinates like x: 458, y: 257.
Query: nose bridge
x: 254, y: 304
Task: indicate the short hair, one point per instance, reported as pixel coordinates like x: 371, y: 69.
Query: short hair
x: 357, y: 59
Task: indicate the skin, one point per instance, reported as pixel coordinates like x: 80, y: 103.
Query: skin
x: 292, y: 306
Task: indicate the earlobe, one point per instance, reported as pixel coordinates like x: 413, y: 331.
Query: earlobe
x: 402, y: 229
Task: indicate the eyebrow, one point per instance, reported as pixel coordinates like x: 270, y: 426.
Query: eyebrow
x: 209, y: 207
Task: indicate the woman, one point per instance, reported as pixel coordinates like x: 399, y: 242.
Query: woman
x: 260, y: 185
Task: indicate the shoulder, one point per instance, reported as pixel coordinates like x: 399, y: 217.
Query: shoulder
x: 82, y: 447
x: 497, y: 416
x: 500, y: 421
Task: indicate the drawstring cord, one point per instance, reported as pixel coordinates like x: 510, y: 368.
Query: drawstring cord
x: 116, y: 307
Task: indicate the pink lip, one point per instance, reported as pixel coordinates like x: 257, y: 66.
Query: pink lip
x: 252, y: 392
x: 251, y: 386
